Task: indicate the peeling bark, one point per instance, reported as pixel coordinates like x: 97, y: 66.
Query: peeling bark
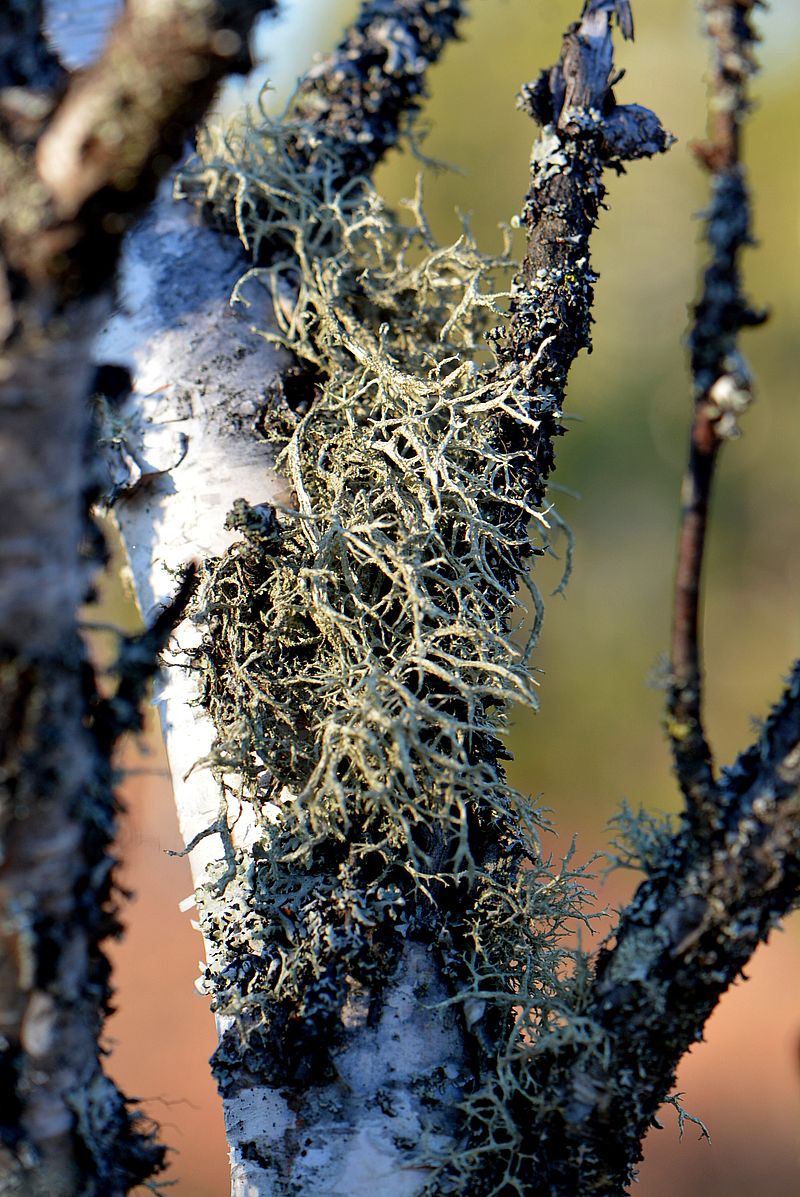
x: 184, y: 446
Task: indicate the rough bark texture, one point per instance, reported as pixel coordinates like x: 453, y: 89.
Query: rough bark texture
x: 585, y: 132
x: 65, y: 1129
x: 78, y: 160
x: 184, y: 448
x: 359, y: 97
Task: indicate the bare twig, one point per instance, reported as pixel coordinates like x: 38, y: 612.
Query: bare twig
x: 722, y: 387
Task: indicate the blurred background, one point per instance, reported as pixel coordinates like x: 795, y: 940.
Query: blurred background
x: 597, y: 738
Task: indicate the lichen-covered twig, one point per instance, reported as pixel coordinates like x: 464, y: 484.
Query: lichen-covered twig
x: 585, y: 133
x: 356, y: 97
x: 722, y: 387
x: 349, y: 108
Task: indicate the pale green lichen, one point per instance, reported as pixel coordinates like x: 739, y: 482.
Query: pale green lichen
x: 641, y: 840
x: 362, y: 652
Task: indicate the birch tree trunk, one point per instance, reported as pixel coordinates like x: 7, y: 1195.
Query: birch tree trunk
x: 379, y: 1110
x: 188, y: 445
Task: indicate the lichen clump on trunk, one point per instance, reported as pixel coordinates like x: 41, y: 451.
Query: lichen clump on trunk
x: 361, y: 654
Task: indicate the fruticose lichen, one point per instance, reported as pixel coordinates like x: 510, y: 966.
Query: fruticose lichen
x: 362, y: 651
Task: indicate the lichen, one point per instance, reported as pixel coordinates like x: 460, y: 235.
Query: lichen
x: 641, y: 841
x: 361, y: 652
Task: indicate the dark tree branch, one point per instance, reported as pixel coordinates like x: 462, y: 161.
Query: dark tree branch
x: 715, y: 889
x: 65, y: 1129
x: 67, y: 194
x: 722, y: 387
x: 121, y: 125
x: 357, y: 96
x: 585, y: 133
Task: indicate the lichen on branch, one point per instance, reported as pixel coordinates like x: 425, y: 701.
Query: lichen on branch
x: 360, y: 652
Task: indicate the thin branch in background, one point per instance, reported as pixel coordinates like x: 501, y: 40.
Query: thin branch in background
x: 722, y: 387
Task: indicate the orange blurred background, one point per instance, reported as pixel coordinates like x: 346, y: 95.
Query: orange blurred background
x: 597, y: 738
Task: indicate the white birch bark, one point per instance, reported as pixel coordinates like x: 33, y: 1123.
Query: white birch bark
x: 184, y: 439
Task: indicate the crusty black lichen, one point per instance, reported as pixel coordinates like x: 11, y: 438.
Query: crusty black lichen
x: 356, y: 97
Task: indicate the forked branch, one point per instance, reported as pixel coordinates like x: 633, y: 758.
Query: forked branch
x: 715, y: 889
